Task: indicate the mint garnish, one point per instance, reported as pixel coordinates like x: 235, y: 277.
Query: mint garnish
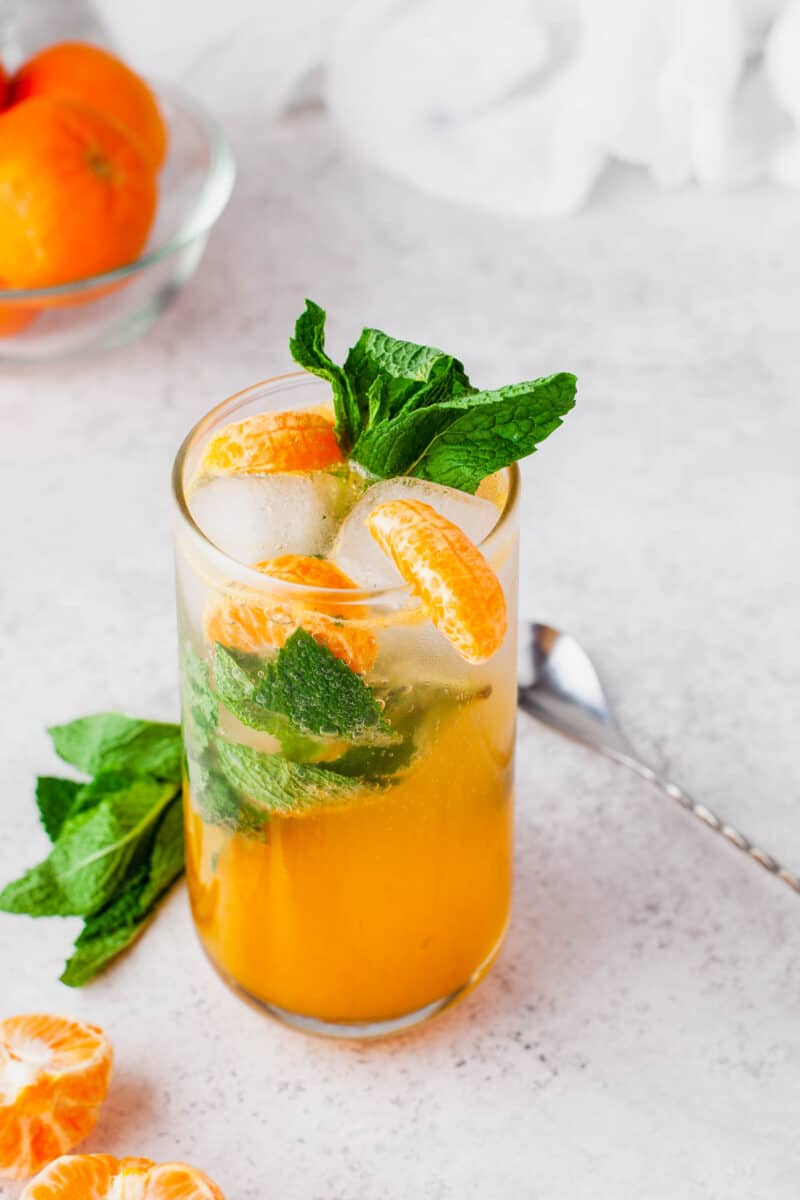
x: 308, y: 350
x: 117, y: 839
x: 406, y: 409
x: 401, y: 376
x: 493, y: 429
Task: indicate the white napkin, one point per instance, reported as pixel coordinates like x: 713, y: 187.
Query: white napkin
x: 516, y: 106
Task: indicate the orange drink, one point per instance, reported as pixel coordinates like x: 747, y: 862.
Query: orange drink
x: 348, y: 665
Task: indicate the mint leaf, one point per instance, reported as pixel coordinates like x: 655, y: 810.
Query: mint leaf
x: 96, y: 947
x: 497, y: 429
x: 112, y: 929
x: 459, y: 442
x: 111, y: 741
x: 317, y: 691
x: 281, y: 787
x: 237, y: 687
x: 308, y: 350
x: 167, y: 855
x: 394, y: 375
x: 392, y: 447
x: 93, y: 851
x: 219, y: 804
x: 305, y: 697
x: 199, y: 704
x: 56, y: 799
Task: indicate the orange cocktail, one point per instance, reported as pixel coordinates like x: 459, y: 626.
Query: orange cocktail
x: 347, y: 584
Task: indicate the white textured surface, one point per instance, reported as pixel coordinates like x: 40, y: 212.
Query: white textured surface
x: 640, y: 1036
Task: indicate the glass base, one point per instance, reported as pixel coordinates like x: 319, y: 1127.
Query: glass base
x: 362, y: 1030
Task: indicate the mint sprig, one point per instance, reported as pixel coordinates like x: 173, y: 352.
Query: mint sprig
x: 407, y: 409
x: 117, y: 839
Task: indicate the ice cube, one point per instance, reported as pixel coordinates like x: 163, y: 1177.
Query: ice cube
x: 253, y: 517
x: 359, y: 555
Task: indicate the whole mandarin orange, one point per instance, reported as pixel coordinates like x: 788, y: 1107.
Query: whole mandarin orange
x: 95, y: 78
x: 77, y: 197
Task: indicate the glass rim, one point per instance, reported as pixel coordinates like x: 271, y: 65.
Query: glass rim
x: 203, y: 212
x: 240, y: 572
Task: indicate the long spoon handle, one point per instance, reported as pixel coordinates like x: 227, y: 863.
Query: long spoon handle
x: 709, y: 818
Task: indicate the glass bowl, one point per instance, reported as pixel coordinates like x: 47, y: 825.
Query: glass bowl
x: 100, y: 311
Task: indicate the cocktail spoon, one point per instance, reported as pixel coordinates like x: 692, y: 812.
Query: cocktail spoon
x: 559, y: 686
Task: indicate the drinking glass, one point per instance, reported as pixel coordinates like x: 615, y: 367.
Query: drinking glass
x: 387, y: 899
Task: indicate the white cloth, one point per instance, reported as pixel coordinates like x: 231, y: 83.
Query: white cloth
x: 516, y: 106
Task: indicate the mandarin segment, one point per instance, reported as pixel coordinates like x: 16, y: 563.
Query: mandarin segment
x: 101, y: 1177
x: 92, y: 77
x: 310, y: 571
x: 90, y: 1176
x: 303, y: 440
x: 177, y: 1181
x: 461, y: 593
x: 54, y: 1075
x: 255, y: 624
x: 77, y: 198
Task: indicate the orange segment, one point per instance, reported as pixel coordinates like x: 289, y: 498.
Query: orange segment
x: 101, y: 1177
x: 257, y: 625
x: 54, y: 1075
x: 176, y: 1181
x: 88, y: 1176
x: 460, y: 591
x: 283, y: 441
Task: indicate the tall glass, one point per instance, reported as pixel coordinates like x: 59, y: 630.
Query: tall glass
x: 377, y: 907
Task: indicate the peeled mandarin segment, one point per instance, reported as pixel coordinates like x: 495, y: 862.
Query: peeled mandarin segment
x: 314, y: 573
x: 255, y: 625
x: 101, y: 1177
x: 54, y: 1075
x: 99, y: 80
x: 283, y: 441
x: 77, y: 197
x: 177, y: 1181
x: 86, y: 1176
x: 460, y: 591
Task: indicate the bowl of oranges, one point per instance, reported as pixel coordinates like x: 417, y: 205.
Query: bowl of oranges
x: 109, y: 189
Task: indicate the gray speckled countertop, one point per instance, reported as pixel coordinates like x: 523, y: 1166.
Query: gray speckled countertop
x: 640, y: 1035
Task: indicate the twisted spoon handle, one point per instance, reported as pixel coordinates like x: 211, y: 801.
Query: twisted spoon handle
x: 709, y: 818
